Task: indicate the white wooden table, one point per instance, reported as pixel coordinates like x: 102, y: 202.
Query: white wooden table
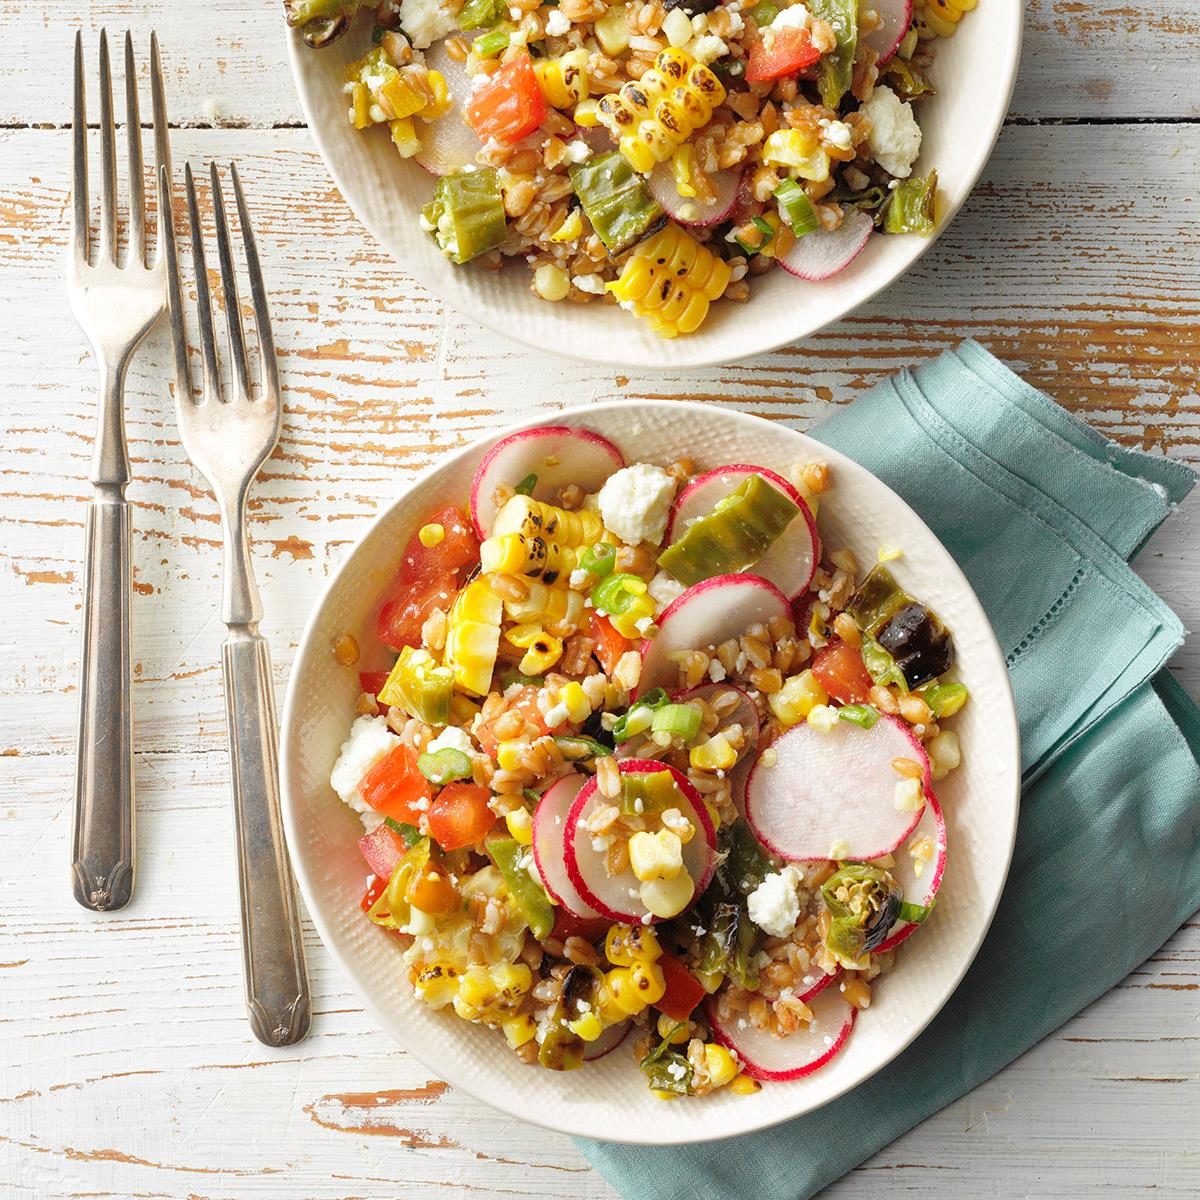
x: 126, y: 1066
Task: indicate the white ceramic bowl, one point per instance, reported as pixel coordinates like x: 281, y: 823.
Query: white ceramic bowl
x: 608, y: 1099
x: 974, y: 74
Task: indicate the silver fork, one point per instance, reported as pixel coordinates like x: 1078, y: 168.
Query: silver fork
x: 228, y: 435
x: 116, y: 306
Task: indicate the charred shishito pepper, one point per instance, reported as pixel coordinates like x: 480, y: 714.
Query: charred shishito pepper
x: 863, y: 902
x: 466, y: 214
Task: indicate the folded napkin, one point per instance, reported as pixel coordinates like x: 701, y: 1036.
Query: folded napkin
x: 1042, y: 513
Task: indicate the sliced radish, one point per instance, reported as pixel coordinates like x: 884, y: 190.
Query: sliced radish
x: 448, y: 144
x: 383, y: 849
x: 765, y: 1056
x: 556, y: 454
x: 823, y: 253
x: 616, y: 896
x: 745, y: 714
x: 610, y: 1038
x: 895, y: 16
x: 686, y: 211
x: 791, y: 561
x: 595, y: 137
x: 707, y: 614
x: 832, y: 795
x: 549, y: 830
x: 919, y: 889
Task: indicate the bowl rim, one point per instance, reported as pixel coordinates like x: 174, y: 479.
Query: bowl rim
x: 593, y: 350
x: 462, y: 1076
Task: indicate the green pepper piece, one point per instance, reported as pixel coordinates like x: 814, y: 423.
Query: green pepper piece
x: 444, y: 765
x: 649, y: 793
x: 837, y: 69
x: 745, y: 864
x: 490, y: 44
x: 945, y: 699
x: 906, y: 81
x: 410, y: 833
x: 422, y: 687
x: 615, y: 200
x: 878, y: 598
x: 576, y: 747
x: 300, y: 12
x: 525, y: 486
x: 863, y: 902
x: 734, y: 536
x: 561, y: 1049
x: 910, y: 208
x: 467, y: 214
x: 862, y: 715
x: 529, y: 898
x: 764, y: 12
x: 667, y: 1070
x: 480, y: 14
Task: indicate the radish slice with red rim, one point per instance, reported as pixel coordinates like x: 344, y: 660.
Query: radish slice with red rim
x: 832, y: 795
x: 617, y: 896
x: 825, y: 252
x: 919, y: 889
x: 745, y: 713
x: 791, y: 561
x: 448, y: 144
x: 895, y: 16
x: 549, y: 832
x: 767, y: 1057
x: 687, y: 210
x: 610, y: 1038
x: 707, y: 614
x: 556, y: 454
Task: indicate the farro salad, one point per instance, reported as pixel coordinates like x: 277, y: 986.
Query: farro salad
x: 641, y: 758
x: 658, y: 155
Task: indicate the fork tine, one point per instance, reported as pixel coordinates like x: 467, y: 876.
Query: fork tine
x: 162, y: 147
x: 108, y: 157
x: 258, y: 294
x: 183, y: 375
x: 208, y: 344
x: 133, y: 130
x: 233, y: 308
x: 79, y: 184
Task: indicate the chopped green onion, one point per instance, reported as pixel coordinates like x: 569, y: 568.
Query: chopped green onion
x: 914, y: 914
x: 763, y: 228
x: 881, y: 666
x: 410, y: 833
x: 480, y: 14
x: 764, y: 12
x: 795, y: 207
x: 444, y: 765
x: 531, y: 797
x: 945, y: 699
x: 910, y: 208
x: 616, y: 593
x: 526, y: 486
x: 862, y: 715
x: 576, y: 747
x: 640, y: 717
x: 599, y: 560
x: 682, y: 720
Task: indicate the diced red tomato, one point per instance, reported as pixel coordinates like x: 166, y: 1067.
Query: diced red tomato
x: 404, y: 612
x: 566, y: 925
x: 394, y: 786
x: 524, y: 702
x: 839, y: 670
x: 371, y: 681
x: 784, y: 52
x: 510, y: 105
x: 458, y: 548
x: 684, y: 990
x: 610, y: 645
x: 376, y: 889
x: 383, y: 849
x: 459, y: 815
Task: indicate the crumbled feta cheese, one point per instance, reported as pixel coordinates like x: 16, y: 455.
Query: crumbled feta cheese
x: 557, y: 24
x: 451, y: 738
x: 838, y: 133
x: 556, y: 715
x: 425, y: 21
x: 895, y: 137
x: 370, y: 740
x: 635, y: 501
x: 589, y: 283
x: 707, y: 48
x: 795, y: 17
x: 736, y: 24
x: 774, y: 905
x: 578, y: 151
x: 716, y: 670
x: 664, y: 588
x: 578, y: 579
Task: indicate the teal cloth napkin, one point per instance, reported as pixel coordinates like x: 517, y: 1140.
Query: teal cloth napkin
x: 1043, y: 514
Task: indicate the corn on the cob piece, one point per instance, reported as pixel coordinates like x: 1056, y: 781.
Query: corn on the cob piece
x: 545, y: 605
x: 652, y: 116
x: 473, y: 636
x: 534, y: 557
x: 670, y: 280
x: 492, y: 993
x: 563, y: 80
x: 534, y: 518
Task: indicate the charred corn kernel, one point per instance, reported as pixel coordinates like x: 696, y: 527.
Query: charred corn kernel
x: 524, y: 635
x: 799, y: 695
x: 491, y: 992
x: 436, y: 984
x: 546, y: 605
x: 721, y: 1066
x: 510, y: 754
x: 930, y: 23
x: 673, y: 1032
x: 535, y: 518
x: 669, y: 280
x: 543, y: 653
x: 625, y: 945
x: 943, y: 16
x: 473, y: 636
x: 520, y: 825
x: 551, y: 282
x: 623, y: 992
x: 568, y: 231
x: 575, y: 700
x: 716, y: 754
x: 563, y: 80
x: 908, y: 796
x: 404, y: 137
x: 681, y: 168
x: 652, y: 116
x: 655, y: 855
x: 519, y: 1030
x: 588, y: 1027
x: 743, y: 1085
x: 667, y: 898
x: 650, y: 982
x: 431, y: 535
x: 796, y: 150
x: 611, y: 1013
x: 534, y: 557
x: 587, y: 114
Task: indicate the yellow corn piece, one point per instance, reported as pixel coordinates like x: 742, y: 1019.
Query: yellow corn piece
x: 404, y: 137
x: 796, y: 150
x: 716, y: 754
x: 534, y: 557
x: 652, y: 116
x: 543, y: 652
x: 626, y: 944
x: 491, y: 993
x: 587, y: 114
x: 563, y: 80
x: 510, y: 754
x: 473, y: 637
x: 588, y: 1027
x: 574, y: 699
x: 399, y: 97
x: 937, y: 19
x: 681, y: 168
x: 360, y: 106
x: 534, y: 518
x: 743, y: 1085
x: 519, y: 1030
x: 641, y: 608
x: 799, y: 695
x: 520, y: 825
x: 669, y: 280
x: 546, y: 605
x: 570, y: 229
x: 721, y: 1066
x: 436, y: 984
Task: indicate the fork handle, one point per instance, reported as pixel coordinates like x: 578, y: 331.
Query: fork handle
x: 102, y: 838
x: 277, y: 994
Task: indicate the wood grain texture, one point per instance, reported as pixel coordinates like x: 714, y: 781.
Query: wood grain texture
x: 126, y: 1067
